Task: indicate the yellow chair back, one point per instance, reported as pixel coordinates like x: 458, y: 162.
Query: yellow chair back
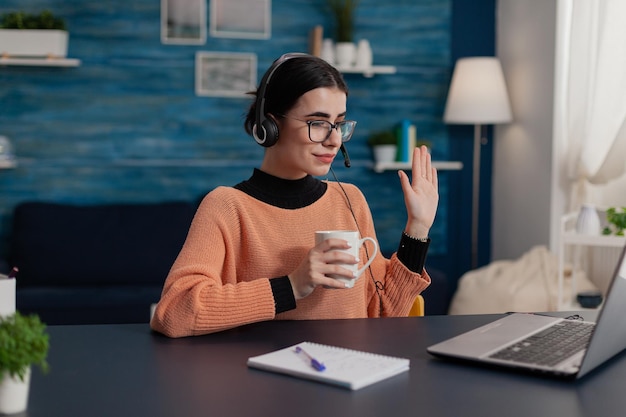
x: 418, y: 307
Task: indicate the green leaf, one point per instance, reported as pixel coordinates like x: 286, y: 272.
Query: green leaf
x: 343, y: 11
x: 616, y: 220
x: 23, y: 342
x: 22, y: 20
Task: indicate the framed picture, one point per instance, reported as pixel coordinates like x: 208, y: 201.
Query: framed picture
x: 250, y: 19
x: 183, y: 22
x: 225, y: 74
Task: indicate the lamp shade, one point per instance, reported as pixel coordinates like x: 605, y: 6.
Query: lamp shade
x: 477, y: 93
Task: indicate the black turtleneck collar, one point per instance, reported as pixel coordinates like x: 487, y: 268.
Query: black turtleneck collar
x: 287, y: 194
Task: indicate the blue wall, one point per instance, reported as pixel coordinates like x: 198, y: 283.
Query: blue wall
x: 126, y: 124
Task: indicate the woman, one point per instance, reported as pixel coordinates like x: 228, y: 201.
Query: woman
x: 250, y: 253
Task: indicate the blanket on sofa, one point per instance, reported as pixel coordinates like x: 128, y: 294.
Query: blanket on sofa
x: 528, y: 284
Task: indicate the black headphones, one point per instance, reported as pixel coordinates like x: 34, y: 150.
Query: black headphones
x: 265, y: 130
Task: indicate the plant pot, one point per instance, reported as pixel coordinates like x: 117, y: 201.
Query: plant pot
x: 14, y: 393
x: 33, y: 43
x: 385, y: 153
x: 345, y: 54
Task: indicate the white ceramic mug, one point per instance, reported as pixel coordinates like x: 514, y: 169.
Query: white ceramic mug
x: 355, y: 242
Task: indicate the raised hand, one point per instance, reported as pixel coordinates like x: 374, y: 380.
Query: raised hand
x: 421, y: 194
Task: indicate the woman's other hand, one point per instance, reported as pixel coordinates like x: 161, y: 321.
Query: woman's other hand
x: 322, y: 261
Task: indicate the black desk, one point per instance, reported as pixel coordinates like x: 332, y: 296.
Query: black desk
x: 125, y: 370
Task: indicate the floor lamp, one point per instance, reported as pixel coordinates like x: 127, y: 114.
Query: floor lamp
x: 477, y: 96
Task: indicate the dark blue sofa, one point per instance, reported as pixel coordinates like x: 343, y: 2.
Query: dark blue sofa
x: 95, y: 264
x: 106, y: 263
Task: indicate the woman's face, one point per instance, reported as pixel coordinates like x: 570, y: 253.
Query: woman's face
x: 294, y: 155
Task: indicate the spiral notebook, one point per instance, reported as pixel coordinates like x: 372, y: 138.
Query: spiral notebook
x: 346, y: 368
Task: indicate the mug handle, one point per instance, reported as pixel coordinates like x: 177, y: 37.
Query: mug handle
x: 372, y: 256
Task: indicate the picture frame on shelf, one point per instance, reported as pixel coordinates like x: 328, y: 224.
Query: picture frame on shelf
x: 183, y: 22
x: 225, y: 74
x: 245, y: 19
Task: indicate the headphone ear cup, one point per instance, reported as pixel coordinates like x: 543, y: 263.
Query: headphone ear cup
x: 265, y: 129
x: 271, y: 133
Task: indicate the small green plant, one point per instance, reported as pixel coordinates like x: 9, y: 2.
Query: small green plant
x: 344, y: 18
x: 23, y: 342
x: 22, y: 20
x: 616, y: 220
x: 384, y: 137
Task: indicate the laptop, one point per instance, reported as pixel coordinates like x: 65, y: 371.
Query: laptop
x: 521, y: 341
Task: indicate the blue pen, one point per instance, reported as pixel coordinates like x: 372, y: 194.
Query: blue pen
x: 317, y: 365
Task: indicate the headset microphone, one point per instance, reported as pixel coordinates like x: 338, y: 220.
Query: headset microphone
x: 346, y: 157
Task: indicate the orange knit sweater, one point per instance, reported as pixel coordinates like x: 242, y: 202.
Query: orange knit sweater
x: 236, y: 243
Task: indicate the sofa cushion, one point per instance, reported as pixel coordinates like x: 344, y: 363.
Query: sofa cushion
x: 89, y: 305
x: 126, y: 244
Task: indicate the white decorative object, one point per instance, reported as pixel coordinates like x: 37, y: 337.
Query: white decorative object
x: 328, y: 51
x: 225, y: 74
x: 14, y: 393
x: 183, y: 22
x: 384, y: 153
x: 243, y: 19
x: 588, y: 222
x: 7, y: 295
x: 364, y: 57
x: 345, y: 54
x: 6, y: 149
x: 33, y: 43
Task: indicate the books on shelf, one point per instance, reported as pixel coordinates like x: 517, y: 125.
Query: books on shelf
x: 407, y: 140
x: 330, y: 364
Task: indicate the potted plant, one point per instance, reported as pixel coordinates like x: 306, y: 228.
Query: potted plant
x: 345, y: 49
x: 33, y: 35
x: 384, y: 146
x: 616, y: 221
x: 23, y: 342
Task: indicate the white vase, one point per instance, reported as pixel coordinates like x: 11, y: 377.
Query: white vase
x: 345, y: 54
x: 385, y: 153
x: 588, y: 222
x: 328, y: 51
x: 364, y: 56
x: 6, y: 149
x: 14, y: 393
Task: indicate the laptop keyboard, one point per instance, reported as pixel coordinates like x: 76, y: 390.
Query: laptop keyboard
x: 550, y: 346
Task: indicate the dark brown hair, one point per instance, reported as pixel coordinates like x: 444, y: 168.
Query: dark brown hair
x: 292, y: 79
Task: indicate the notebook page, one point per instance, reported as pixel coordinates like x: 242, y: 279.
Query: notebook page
x: 344, y: 367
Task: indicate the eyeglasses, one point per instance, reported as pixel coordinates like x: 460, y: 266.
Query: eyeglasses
x: 320, y: 130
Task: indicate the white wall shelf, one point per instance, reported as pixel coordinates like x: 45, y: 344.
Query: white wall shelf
x: 40, y: 62
x: 440, y: 165
x: 570, y: 237
x: 368, y: 72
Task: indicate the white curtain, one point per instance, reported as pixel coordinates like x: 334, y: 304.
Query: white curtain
x: 595, y: 82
